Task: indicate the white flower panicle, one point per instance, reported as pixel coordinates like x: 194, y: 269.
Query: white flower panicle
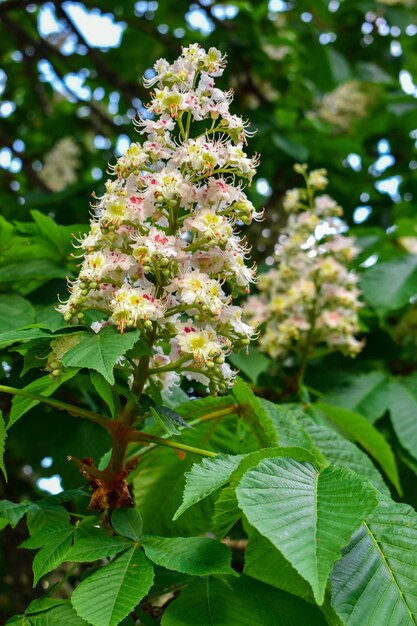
x: 310, y: 297
x: 162, y: 254
x: 345, y: 105
x: 60, y: 165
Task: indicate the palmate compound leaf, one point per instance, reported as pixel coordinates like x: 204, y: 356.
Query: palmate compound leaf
x: 111, y: 593
x: 48, y: 612
x: 190, y: 555
x: 238, y: 602
x: 309, y: 516
x: 211, y: 474
x: 375, y: 582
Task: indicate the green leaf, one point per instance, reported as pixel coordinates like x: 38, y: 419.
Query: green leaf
x: 111, y: 593
x: 44, y: 386
x: 367, y: 394
x: 3, y: 436
x: 226, y: 511
x: 307, y: 515
x: 205, y: 477
x: 360, y: 430
x: 15, y: 312
x: 290, y: 431
x: 104, y: 390
x: 167, y: 424
x: 92, y: 543
x: 127, y: 522
x: 100, y: 351
x: 168, y: 415
x: 375, y: 581
x: 252, y: 363
x: 24, y: 335
x: 52, y: 612
x: 210, y: 474
x: 265, y: 563
x: 254, y: 412
x: 189, y: 555
x: 388, y: 286
x: 239, y: 602
x: 343, y: 453
x: 44, y: 515
x: 403, y: 411
x: 52, y: 554
x: 13, y: 512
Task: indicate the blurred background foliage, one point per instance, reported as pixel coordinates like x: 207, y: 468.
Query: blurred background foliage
x: 327, y: 82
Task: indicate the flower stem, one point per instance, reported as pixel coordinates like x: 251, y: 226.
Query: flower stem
x: 144, y: 437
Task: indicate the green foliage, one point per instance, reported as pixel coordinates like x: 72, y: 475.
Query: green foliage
x: 106, y: 597
x: 189, y: 555
x: 296, y: 508
x: 374, y: 582
x: 294, y: 483
x: 243, y: 601
x: 100, y: 351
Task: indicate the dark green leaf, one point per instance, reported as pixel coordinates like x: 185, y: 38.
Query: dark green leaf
x: 189, y: 555
x: 15, y: 312
x: 239, y: 602
x: 127, y: 522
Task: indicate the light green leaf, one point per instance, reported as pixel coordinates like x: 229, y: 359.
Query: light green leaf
x: 375, y: 581
x: 52, y: 554
x: 111, y: 593
x: 239, y: 602
x: 15, y: 312
x: 290, y: 431
x: 44, y: 386
x: 309, y: 516
x: 189, y: 555
x: 388, y: 286
x: 3, y: 436
x: 343, y: 453
x: 360, y: 430
x: 104, y: 390
x: 254, y: 412
x: 100, y: 351
x: 210, y: 474
x: 366, y: 393
x: 205, y: 477
x: 403, y: 411
x: 127, y: 522
x: 13, y: 512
